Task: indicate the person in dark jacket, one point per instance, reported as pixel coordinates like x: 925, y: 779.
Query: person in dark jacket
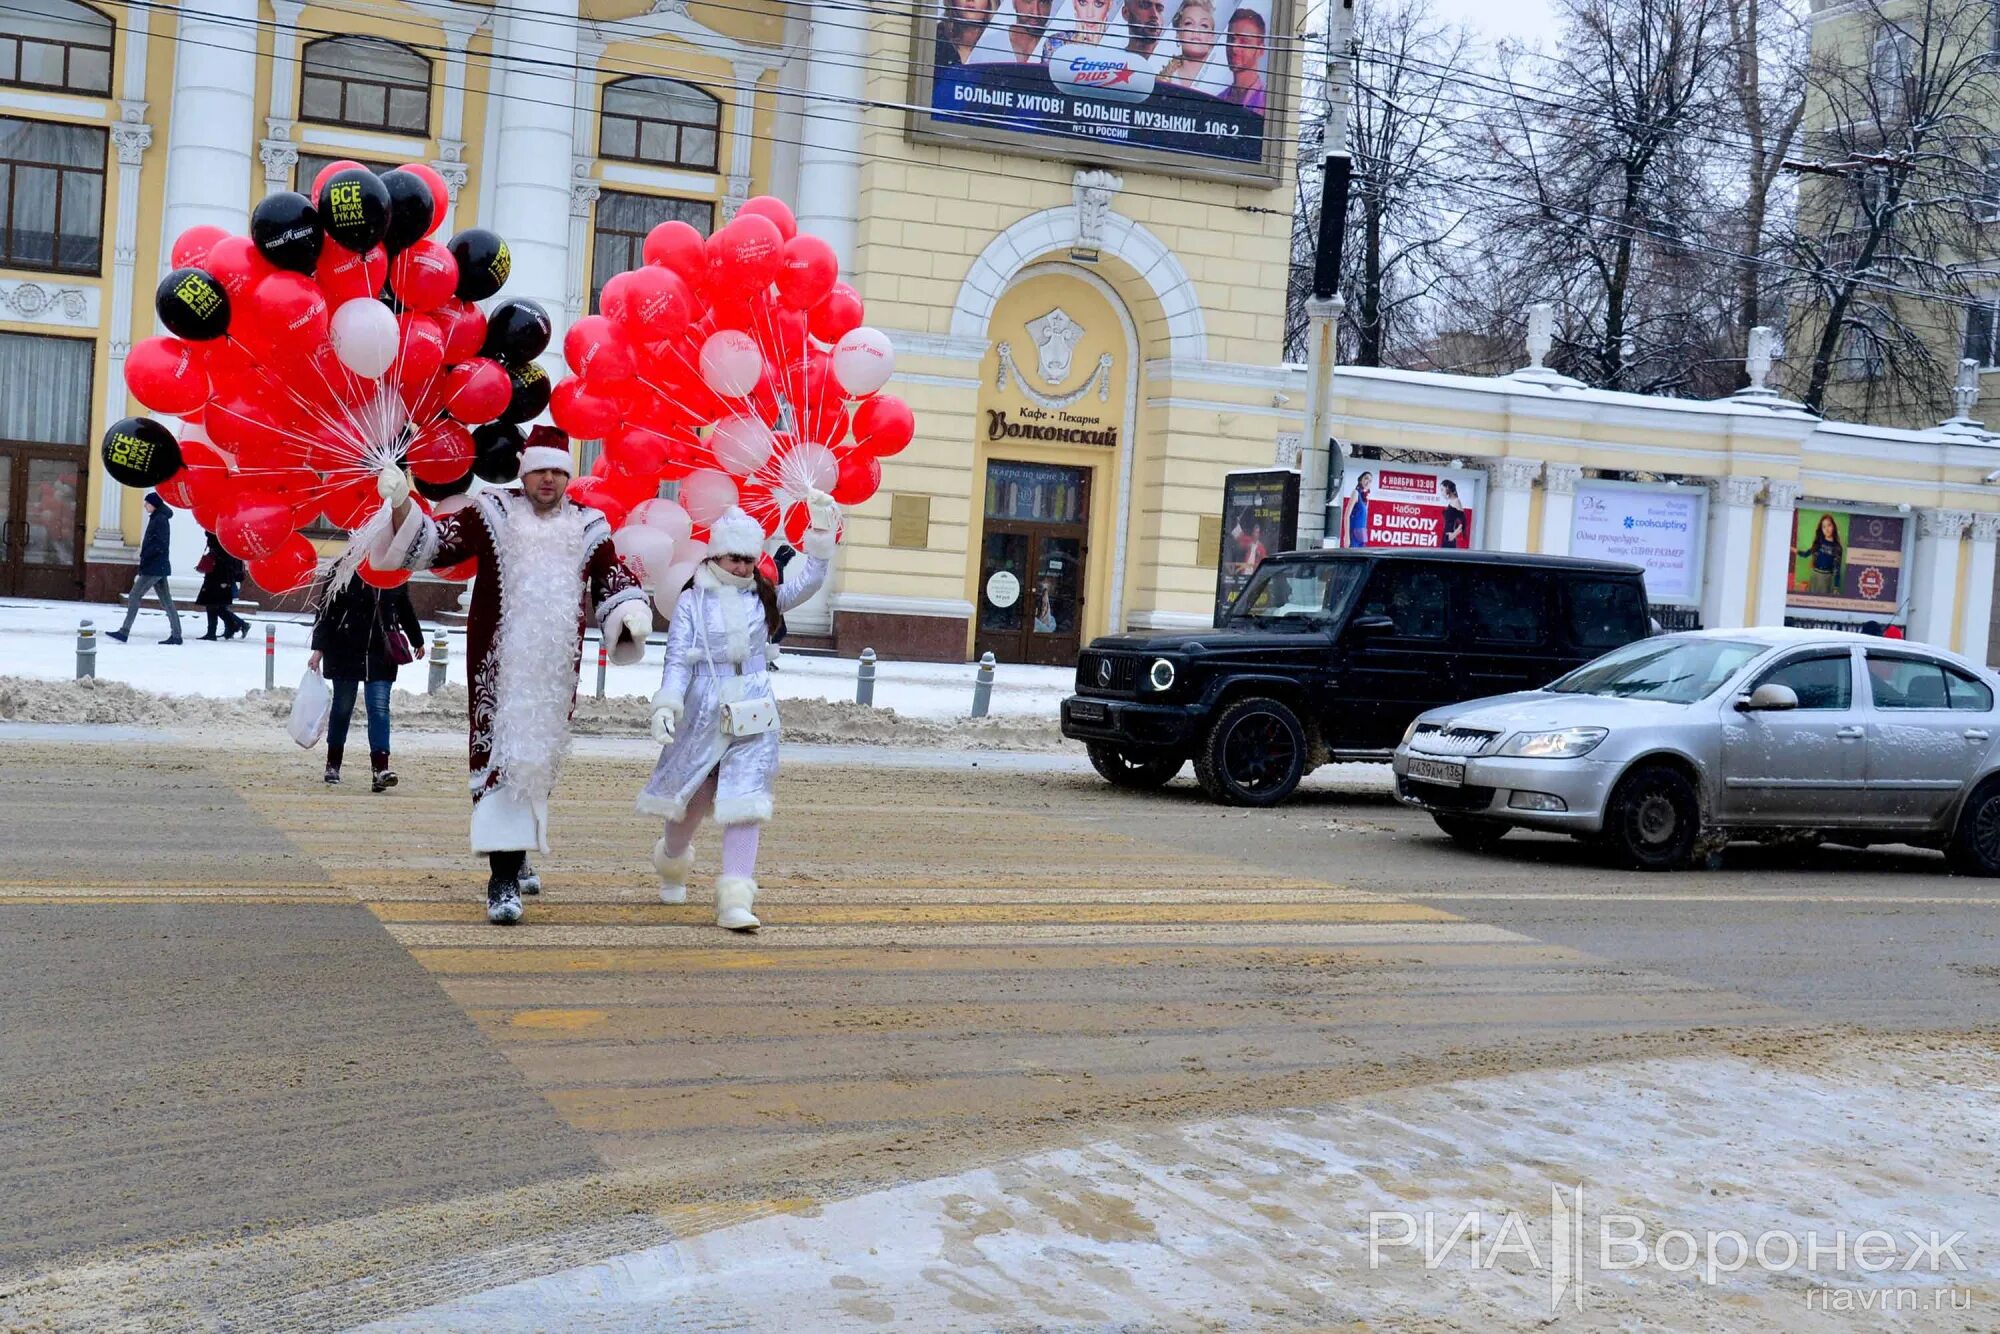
x: 220, y: 583
x: 154, y: 567
x: 351, y: 652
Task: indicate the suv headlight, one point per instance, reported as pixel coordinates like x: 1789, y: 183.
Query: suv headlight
x: 1160, y: 675
x: 1566, y: 744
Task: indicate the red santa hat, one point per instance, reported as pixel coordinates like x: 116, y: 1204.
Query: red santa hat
x: 546, y: 448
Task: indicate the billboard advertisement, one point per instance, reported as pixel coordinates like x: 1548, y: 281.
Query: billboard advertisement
x: 1659, y: 529
x: 1189, y: 86
x: 1260, y: 516
x: 1408, y: 505
x: 1848, y: 561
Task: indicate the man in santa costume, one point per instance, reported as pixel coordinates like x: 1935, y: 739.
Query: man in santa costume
x: 545, y: 563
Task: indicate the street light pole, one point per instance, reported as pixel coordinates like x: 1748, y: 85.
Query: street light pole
x: 1324, y: 306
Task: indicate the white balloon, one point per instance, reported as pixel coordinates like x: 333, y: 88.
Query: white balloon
x: 741, y: 444
x: 452, y: 504
x: 810, y: 466
x: 675, y: 578
x: 665, y: 515
x: 648, y: 550
x: 706, y: 494
x: 863, y: 361
x: 731, y: 363
x: 363, y: 333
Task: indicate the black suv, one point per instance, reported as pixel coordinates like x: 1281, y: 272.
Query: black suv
x: 1328, y: 655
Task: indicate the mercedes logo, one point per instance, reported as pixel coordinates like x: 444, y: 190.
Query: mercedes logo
x: 1104, y: 671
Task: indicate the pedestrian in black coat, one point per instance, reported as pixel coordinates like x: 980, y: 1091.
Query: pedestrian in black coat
x: 350, y: 649
x: 155, y: 565
x: 220, y: 583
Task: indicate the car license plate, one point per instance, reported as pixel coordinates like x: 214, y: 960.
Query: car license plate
x: 1084, y: 711
x: 1450, y: 773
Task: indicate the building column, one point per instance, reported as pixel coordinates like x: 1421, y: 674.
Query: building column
x: 213, y: 128
x: 279, y: 154
x: 1510, y: 494
x: 532, y: 158
x: 1559, y: 507
x: 450, y: 162
x: 584, y: 191
x: 1975, y: 618
x: 742, y: 135
x: 1934, y: 580
x: 1774, y: 581
x: 1732, y: 515
x: 131, y: 136
x: 830, y: 151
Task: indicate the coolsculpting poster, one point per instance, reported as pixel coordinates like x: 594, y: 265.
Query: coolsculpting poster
x: 1260, y: 517
x: 1405, y: 505
x: 1188, y: 85
x: 1659, y: 529
x: 1848, y: 561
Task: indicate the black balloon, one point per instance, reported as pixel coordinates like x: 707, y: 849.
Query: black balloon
x: 411, y: 207
x: 435, y: 491
x: 483, y: 263
x: 192, y: 305
x: 531, y: 393
x: 354, y: 209
x: 138, y: 451
x: 496, y: 452
x: 517, y: 331
x: 285, y: 227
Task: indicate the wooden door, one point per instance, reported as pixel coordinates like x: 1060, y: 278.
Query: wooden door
x: 1033, y: 563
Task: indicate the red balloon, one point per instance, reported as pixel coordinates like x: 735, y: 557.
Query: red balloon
x: 346, y: 276
x: 748, y: 252
x: 477, y: 391
x: 440, y: 195
x: 289, y: 311
x: 420, y: 355
x: 586, y: 416
x: 596, y: 351
x: 639, y: 450
x: 860, y: 478
x: 770, y: 206
x: 254, y: 524
x: 464, y: 326
x: 424, y: 276
x: 350, y: 504
x: 883, y: 425
x: 808, y: 272
x: 443, y: 453
x: 191, y: 247
x: 235, y: 264
x: 797, y: 520
x: 677, y: 246
x: 327, y: 173
x: 291, y: 566
x: 382, y: 578
x: 837, y: 316
x: 166, y: 375
x: 176, y: 491
x: 252, y: 433
x: 648, y: 305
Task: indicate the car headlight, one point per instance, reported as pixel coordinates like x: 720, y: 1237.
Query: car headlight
x: 1161, y: 675
x: 1565, y: 744
x: 1408, y: 732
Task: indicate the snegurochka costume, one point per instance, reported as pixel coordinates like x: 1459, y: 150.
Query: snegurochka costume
x: 716, y: 711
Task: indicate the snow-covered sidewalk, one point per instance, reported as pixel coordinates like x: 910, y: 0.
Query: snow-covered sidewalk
x: 38, y: 640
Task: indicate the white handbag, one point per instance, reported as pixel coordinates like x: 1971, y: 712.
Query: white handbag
x: 310, y: 709
x: 749, y: 717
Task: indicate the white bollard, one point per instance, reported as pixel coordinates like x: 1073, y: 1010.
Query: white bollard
x: 440, y: 655
x: 86, y: 651
x: 982, y: 686
x: 864, y: 680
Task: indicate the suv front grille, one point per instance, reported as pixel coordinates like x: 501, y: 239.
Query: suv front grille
x: 1106, y: 674
x: 1434, y: 740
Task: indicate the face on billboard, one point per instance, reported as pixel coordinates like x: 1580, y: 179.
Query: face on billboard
x: 1194, y: 28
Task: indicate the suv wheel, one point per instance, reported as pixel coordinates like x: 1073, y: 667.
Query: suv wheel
x: 1975, y: 844
x: 1653, y: 821
x: 1255, y: 754
x: 1138, y: 770
x: 1470, y: 831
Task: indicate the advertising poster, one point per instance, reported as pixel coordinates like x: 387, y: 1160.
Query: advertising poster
x: 1260, y: 516
x: 1176, y: 83
x: 1405, y: 505
x: 1659, y: 529
x: 1847, y: 561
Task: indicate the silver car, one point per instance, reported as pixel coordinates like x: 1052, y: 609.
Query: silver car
x: 1667, y: 748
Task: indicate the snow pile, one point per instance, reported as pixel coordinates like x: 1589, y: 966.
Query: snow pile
x: 815, y: 721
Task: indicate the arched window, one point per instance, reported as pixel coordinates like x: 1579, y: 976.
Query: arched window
x: 56, y: 44
x: 367, y: 83
x: 660, y: 121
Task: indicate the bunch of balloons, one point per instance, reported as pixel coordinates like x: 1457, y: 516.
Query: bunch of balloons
x: 737, y: 366
x: 335, y: 339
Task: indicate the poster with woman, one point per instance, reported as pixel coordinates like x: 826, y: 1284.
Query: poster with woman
x: 1400, y: 505
x: 1260, y: 518
x: 1848, y: 561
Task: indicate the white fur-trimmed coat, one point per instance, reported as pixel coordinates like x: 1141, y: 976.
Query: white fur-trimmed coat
x: 715, y: 629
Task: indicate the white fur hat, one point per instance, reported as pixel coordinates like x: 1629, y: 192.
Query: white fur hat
x: 735, y: 534
x: 536, y: 457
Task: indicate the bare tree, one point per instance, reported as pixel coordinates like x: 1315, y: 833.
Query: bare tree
x: 1768, y: 52
x: 1900, y: 105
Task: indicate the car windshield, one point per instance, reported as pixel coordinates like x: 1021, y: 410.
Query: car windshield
x: 1674, y: 670
x: 1282, y: 594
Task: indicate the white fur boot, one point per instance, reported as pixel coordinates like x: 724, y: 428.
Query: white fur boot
x: 733, y: 896
x: 673, y: 872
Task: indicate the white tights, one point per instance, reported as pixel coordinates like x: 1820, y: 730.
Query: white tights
x: 739, y: 841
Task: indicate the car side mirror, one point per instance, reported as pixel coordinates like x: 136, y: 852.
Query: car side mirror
x: 1371, y: 625
x: 1769, y: 698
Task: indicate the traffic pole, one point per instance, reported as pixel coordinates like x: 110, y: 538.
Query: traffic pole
x: 86, y: 651
x: 1319, y: 474
x: 982, y: 686
x: 440, y: 656
x: 270, y: 656
x: 603, y: 662
x: 864, y: 680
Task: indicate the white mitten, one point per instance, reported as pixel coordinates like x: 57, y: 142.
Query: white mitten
x: 825, y: 517
x: 393, y: 485
x: 666, y: 718
x: 629, y: 627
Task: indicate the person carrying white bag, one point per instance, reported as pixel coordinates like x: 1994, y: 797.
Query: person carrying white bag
x: 715, y: 712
